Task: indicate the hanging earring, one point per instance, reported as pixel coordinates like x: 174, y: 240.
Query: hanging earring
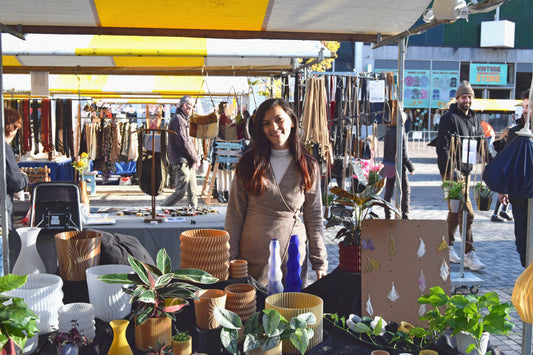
x: 367, y: 244
x: 422, y: 310
x: 443, y: 245
x: 421, y: 248
x: 393, y: 294
x: 444, y: 270
x: 392, y: 246
x: 422, y: 282
x: 369, y: 308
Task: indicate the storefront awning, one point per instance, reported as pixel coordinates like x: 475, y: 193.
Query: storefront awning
x: 87, y: 54
x: 482, y: 105
x: 341, y: 20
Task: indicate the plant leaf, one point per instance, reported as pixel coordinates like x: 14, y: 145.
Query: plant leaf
x: 147, y: 296
x: 251, y: 342
x: 271, y: 343
x: 194, y: 275
x: 128, y: 279
x: 299, y: 340
x: 141, y: 271
x: 10, y: 282
x: 229, y: 338
x: 271, y: 321
x: 171, y: 305
x: 163, y: 280
x: 163, y: 261
x: 227, y: 318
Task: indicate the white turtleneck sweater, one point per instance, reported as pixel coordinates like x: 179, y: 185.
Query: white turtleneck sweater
x: 280, y: 161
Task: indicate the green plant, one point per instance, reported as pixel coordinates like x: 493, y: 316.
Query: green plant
x: 153, y: 287
x: 264, y: 329
x: 483, y: 190
x: 73, y: 336
x: 454, y: 188
x: 469, y: 313
x: 17, y: 321
x: 181, y: 336
x: 360, y: 204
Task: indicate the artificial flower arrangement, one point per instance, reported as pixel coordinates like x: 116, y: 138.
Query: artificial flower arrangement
x: 81, y: 164
x: 73, y: 337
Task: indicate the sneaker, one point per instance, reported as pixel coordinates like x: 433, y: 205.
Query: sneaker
x: 504, y: 215
x: 495, y: 218
x: 472, y: 261
x: 454, y: 258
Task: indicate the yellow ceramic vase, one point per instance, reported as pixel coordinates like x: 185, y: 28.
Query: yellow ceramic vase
x: 120, y: 345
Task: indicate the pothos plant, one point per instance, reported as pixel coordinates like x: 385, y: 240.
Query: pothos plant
x: 360, y: 204
x: 154, y: 289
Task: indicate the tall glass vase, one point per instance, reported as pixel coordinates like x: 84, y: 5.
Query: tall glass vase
x: 29, y: 261
x: 293, y: 280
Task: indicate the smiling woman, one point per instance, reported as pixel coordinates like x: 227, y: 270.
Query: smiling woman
x: 276, y: 182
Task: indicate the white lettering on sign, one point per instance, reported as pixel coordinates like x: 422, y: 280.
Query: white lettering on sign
x: 54, y: 221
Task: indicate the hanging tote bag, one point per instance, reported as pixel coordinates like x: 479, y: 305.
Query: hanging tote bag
x: 390, y: 110
x: 204, y: 126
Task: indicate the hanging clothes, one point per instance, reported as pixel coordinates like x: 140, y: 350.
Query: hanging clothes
x: 35, y: 124
x: 46, y: 126
x: 59, y: 127
x: 68, y: 133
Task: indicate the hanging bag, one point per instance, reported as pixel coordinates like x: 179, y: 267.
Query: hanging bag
x: 228, y: 132
x: 390, y: 110
x: 204, y: 126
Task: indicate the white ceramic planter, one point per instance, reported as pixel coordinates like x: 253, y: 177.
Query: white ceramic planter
x: 44, y: 295
x: 109, y: 301
x: 29, y: 261
x: 464, y: 340
x: 77, y: 315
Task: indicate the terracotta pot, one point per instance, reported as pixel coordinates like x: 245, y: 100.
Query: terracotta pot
x: 182, y: 347
x: 349, y: 258
x: 204, y: 306
x: 152, y: 331
x: 238, y: 269
x: 76, y: 252
x: 241, y: 300
x: 84, y: 197
x: 259, y: 351
x: 207, y: 250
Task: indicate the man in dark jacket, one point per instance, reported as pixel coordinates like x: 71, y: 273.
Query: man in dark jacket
x: 182, y: 155
x: 459, y: 122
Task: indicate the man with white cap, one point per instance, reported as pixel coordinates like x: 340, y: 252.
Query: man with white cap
x: 460, y: 121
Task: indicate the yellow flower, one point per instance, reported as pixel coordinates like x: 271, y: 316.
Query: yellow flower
x: 81, y: 164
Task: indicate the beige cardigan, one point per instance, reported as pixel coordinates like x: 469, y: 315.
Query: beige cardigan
x: 253, y: 221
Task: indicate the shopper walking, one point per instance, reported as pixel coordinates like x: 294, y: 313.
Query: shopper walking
x: 182, y: 155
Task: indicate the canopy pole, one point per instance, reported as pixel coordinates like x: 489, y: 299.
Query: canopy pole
x: 402, y: 43
x: 3, y: 191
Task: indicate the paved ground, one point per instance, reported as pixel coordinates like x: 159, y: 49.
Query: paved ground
x: 494, y: 242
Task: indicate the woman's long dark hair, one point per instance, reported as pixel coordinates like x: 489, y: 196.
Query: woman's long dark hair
x: 255, y: 162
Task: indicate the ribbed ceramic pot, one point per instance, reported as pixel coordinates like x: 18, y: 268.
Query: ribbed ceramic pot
x: 241, y: 300
x: 109, y: 301
x: 238, y: 269
x: 152, y: 331
x: 205, y: 305
x: 182, y: 347
x: 349, y: 258
x: 29, y: 261
x: 77, y: 315
x: 207, y: 250
x: 43, y: 294
x: 292, y: 304
x: 76, y: 252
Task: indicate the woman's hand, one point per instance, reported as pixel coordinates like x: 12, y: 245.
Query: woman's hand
x: 320, y: 274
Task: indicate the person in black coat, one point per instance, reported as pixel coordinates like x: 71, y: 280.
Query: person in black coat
x: 459, y: 121
x: 16, y: 180
x: 389, y: 156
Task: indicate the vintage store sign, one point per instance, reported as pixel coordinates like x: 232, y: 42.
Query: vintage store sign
x: 488, y: 74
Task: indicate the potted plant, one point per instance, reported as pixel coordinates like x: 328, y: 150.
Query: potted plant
x: 159, y: 349
x: 264, y: 330
x: 483, y: 196
x: 69, y: 342
x: 470, y: 317
x: 356, y: 207
x: 182, y: 343
x: 18, y: 323
x: 454, y: 193
x: 159, y: 298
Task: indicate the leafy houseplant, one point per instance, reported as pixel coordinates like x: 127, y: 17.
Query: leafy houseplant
x: 361, y: 204
x: 153, y: 287
x: 181, y: 336
x: 73, y: 337
x: 454, y: 189
x: 264, y: 329
x: 181, y: 343
x: 17, y: 321
x: 159, y: 349
x: 466, y: 313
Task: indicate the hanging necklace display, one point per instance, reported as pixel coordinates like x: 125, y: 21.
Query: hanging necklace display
x: 393, y: 294
x: 371, y: 265
x: 444, y: 270
x: 367, y: 244
x: 421, y: 248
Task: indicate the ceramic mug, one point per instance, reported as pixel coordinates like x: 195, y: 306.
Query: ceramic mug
x: 379, y: 352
